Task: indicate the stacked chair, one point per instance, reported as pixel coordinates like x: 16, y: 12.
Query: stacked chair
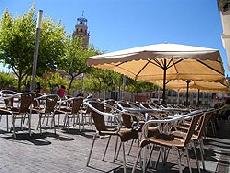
x: 167, y: 141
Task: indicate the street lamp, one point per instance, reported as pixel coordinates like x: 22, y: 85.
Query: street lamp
x: 37, y: 39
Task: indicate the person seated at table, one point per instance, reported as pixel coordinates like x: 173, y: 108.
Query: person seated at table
x: 61, y: 91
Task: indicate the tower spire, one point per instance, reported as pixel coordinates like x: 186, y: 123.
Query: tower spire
x: 81, y: 30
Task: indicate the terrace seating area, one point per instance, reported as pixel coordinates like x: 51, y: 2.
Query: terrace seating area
x: 96, y: 135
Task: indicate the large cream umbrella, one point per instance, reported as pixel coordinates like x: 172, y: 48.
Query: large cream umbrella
x: 164, y: 62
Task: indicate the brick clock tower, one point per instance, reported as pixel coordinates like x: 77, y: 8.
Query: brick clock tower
x: 81, y: 30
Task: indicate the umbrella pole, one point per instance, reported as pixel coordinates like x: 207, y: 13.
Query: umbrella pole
x: 164, y: 82
x: 198, y: 97
x: 186, y: 103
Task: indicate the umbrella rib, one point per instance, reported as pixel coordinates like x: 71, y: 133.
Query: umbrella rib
x: 209, y: 67
x: 175, y: 63
x: 142, y: 69
x: 156, y: 64
x: 167, y: 66
x: 121, y: 63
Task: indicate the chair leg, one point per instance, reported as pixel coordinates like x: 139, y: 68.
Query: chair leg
x: 135, y: 165
x: 106, y: 147
x: 64, y: 120
x: 40, y: 123
x: 188, y: 159
x: 150, y: 155
x: 58, y: 120
x: 158, y: 158
x: 82, y: 122
x: 202, y: 153
x: 118, y: 151
x: 91, y: 150
x: 197, y: 162
x: 144, y: 159
x: 124, y: 157
x: 179, y: 162
x: 74, y: 120
x: 7, y: 123
x: 53, y: 119
x: 115, y: 149
x: 130, y: 147
x: 13, y: 124
x: 29, y: 123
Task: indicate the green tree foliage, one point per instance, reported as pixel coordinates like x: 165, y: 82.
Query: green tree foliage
x: 140, y: 86
x: 17, y: 44
x: 7, y: 81
x: 74, y: 60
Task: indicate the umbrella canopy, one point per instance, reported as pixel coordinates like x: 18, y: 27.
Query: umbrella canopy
x: 165, y: 62
x: 206, y: 86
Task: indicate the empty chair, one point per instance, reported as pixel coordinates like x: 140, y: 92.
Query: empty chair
x: 71, y: 111
x: 197, y: 137
x: 168, y: 141
x: 21, y: 111
x: 124, y: 134
x: 46, y: 107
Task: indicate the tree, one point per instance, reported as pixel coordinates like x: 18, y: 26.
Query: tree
x: 17, y: 44
x: 74, y: 60
x: 7, y: 81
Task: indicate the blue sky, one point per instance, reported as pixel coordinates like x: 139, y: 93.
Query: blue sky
x: 119, y: 24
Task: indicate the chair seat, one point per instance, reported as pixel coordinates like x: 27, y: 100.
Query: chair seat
x: 127, y: 133
x: 4, y: 111
x: 13, y: 110
x: 63, y: 111
x: 165, y: 140
x: 39, y: 110
x: 108, y: 131
x: 182, y: 135
x: 153, y: 131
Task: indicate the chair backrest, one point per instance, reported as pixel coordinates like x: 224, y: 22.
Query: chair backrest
x: 127, y: 120
x: 77, y: 103
x: 204, y: 123
x: 25, y: 101
x: 8, y: 93
x: 51, y: 102
x: 192, y: 127
x: 98, y: 119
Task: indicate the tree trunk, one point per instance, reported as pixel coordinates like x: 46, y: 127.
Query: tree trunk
x: 70, y: 83
x: 19, y: 83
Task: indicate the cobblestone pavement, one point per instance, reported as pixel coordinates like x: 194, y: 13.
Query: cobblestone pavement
x: 68, y: 151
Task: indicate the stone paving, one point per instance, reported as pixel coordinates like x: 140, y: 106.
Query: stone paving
x: 68, y: 151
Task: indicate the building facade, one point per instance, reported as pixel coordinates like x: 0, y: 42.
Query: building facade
x: 224, y: 8
x: 81, y: 31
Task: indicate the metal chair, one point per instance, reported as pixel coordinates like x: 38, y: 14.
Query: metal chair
x: 124, y: 134
x: 71, y: 111
x: 47, y: 105
x: 22, y: 111
x: 197, y: 137
x: 167, y: 141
